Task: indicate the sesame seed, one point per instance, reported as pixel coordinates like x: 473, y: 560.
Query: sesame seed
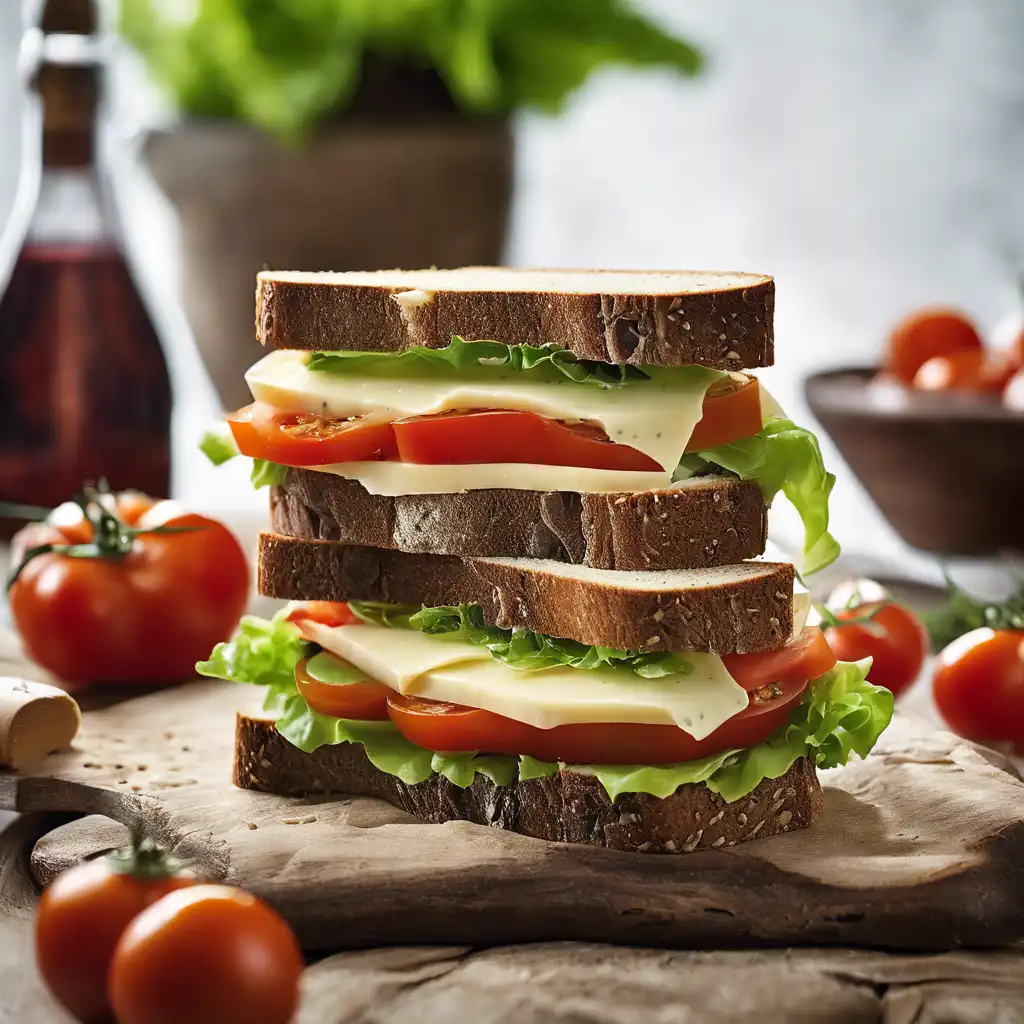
x: 720, y: 841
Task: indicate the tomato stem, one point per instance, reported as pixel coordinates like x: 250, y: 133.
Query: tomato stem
x: 111, y: 538
x: 145, y: 859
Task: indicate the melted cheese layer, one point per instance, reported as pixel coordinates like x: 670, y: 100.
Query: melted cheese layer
x: 462, y: 673
x: 656, y: 417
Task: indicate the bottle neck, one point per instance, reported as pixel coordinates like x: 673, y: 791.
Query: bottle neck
x: 70, y: 98
x: 70, y: 210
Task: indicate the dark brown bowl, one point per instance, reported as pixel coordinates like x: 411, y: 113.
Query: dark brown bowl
x: 947, y: 471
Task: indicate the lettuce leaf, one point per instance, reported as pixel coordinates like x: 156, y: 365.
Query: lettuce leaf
x: 219, y: 447
x: 521, y: 649
x: 785, y: 457
x: 267, y: 474
x: 262, y: 651
x: 840, y: 714
x: 462, y: 358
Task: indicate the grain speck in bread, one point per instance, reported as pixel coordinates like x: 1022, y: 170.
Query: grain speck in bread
x: 704, y: 521
x: 568, y: 807
x: 658, y: 318
x: 725, y: 609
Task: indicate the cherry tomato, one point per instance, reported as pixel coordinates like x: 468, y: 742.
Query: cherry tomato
x: 927, y: 333
x: 731, y: 410
x: 968, y: 370
x: 892, y: 635
x: 81, y: 917
x: 206, y: 955
x: 305, y: 439
x: 438, y: 725
x: 145, y: 615
x: 979, y: 686
x: 365, y: 700
x: 504, y: 435
x: 327, y: 613
x: 806, y: 657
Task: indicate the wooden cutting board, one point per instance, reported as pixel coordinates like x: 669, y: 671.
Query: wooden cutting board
x: 921, y: 846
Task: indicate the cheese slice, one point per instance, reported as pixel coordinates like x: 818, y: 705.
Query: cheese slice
x: 394, y: 657
x: 656, y: 416
x: 416, y: 664
x: 394, y: 478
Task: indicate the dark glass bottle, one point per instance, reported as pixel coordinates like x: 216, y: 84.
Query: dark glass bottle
x: 84, y: 388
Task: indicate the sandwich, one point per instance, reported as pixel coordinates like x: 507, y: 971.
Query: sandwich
x: 520, y: 521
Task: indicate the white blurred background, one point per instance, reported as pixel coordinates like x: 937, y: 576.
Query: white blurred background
x: 868, y: 153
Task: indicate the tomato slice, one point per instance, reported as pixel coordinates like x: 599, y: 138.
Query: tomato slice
x: 364, y: 700
x: 327, y: 613
x: 505, y: 435
x: 437, y: 725
x: 306, y: 439
x: 806, y: 657
x: 732, y: 409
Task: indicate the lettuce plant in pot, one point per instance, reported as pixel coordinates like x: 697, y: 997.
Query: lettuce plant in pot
x: 355, y: 134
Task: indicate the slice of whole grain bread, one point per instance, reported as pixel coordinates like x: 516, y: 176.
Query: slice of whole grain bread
x: 705, y: 521
x: 659, y: 318
x: 569, y: 807
x: 725, y: 609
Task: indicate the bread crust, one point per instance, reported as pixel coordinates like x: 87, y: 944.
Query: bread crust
x: 730, y: 328
x: 712, y: 521
x: 736, y: 616
x: 568, y: 807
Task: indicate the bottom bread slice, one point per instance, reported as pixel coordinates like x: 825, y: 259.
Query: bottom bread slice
x: 568, y: 807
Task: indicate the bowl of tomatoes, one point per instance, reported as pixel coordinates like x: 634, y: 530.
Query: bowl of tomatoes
x: 936, y: 435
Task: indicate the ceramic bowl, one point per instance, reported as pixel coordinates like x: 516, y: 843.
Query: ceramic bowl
x: 947, y: 471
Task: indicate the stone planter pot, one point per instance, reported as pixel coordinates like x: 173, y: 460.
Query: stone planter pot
x: 359, y: 196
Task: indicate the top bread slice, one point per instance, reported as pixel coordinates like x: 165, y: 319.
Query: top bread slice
x: 732, y: 609
x: 719, y: 319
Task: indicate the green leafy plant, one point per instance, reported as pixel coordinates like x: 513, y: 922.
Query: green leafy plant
x: 963, y: 612
x: 286, y: 66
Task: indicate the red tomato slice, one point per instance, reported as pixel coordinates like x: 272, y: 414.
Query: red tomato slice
x: 732, y: 409
x: 305, y: 439
x: 366, y: 701
x: 806, y: 657
x: 450, y: 727
x: 327, y: 613
x: 504, y: 435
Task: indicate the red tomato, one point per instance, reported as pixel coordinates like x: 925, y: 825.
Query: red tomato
x: 367, y: 700
x: 968, y: 370
x: 806, y: 657
x: 437, y: 725
x: 502, y: 435
x: 732, y: 409
x: 305, y: 439
x: 206, y: 955
x: 79, y: 921
x: 894, y: 637
x: 979, y: 686
x: 147, y: 615
x: 327, y: 613
x: 927, y: 333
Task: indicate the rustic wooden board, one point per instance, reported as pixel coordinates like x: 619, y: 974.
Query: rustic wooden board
x: 582, y: 982
x: 920, y: 847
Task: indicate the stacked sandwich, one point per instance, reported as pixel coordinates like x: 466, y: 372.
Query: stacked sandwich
x: 520, y: 517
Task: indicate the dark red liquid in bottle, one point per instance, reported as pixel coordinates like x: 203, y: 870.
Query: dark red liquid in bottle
x: 84, y: 391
